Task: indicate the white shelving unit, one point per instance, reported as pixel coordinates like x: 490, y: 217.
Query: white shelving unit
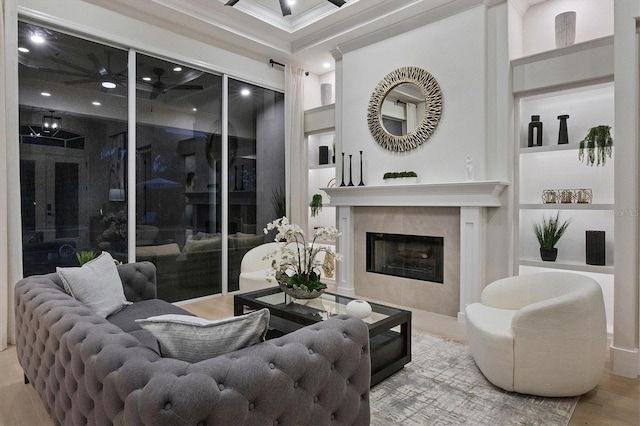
x: 320, y: 131
x: 585, y: 92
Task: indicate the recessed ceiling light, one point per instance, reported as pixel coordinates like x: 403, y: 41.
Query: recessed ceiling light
x: 37, y: 38
x: 46, y: 94
x: 326, y: 65
x: 195, y: 109
x: 245, y: 92
x: 23, y: 49
x: 146, y: 78
x: 108, y: 85
x: 291, y: 2
x: 96, y: 103
x: 177, y: 69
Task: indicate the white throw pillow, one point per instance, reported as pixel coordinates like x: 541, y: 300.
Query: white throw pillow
x: 97, y: 284
x: 194, y: 339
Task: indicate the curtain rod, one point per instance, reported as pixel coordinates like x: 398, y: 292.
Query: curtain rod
x: 272, y: 63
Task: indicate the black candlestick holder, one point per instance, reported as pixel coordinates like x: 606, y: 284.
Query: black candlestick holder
x: 361, y: 182
x: 350, y: 179
x: 342, y: 184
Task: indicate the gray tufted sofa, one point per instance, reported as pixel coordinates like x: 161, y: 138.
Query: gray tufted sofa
x: 87, y: 370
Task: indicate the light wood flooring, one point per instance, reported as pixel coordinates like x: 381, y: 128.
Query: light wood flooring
x: 615, y: 401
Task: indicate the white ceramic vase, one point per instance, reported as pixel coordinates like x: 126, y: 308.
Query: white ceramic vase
x: 565, y: 29
x: 325, y: 94
x: 359, y: 308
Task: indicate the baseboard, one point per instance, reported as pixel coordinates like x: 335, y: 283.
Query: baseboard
x: 625, y: 362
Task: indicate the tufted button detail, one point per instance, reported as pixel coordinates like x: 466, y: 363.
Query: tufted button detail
x: 221, y: 386
x: 345, y: 335
x: 275, y: 423
x: 348, y: 382
x: 333, y: 366
x: 296, y: 384
x: 167, y: 406
x: 316, y: 399
x: 251, y: 406
x: 271, y: 365
x: 333, y: 416
x: 202, y: 423
x: 310, y: 350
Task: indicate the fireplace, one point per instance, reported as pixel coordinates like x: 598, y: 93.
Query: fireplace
x: 409, y: 256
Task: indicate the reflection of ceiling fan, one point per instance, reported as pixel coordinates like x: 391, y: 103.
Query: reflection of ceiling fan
x: 284, y: 6
x: 158, y: 87
x: 99, y: 73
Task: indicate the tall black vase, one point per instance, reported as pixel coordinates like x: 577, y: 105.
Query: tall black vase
x: 563, y: 134
x: 535, y: 132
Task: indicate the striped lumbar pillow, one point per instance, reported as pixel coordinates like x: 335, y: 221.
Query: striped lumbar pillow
x: 195, y: 339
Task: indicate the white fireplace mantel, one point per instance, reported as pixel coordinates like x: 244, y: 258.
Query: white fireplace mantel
x: 457, y: 194
x: 472, y: 197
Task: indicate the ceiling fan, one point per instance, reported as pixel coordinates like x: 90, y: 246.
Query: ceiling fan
x: 284, y: 6
x: 158, y: 87
x: 100, y: 72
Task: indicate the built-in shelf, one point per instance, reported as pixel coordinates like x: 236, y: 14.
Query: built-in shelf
x: 567, y: 206
x: 568, y: 265
x: 322, y: 166
x: 549, y: 148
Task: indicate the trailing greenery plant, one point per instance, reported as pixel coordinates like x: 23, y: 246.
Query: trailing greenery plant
x: 598, y: 145
x: 85, y: 256
x: 550, y: 230
x: 394, y: 175
x: 316, y: 204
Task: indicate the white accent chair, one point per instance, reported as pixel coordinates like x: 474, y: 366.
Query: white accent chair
x: 253, y: 268
x: 540, y: 334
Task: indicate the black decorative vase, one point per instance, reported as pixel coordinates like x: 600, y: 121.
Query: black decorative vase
x: 563, y: 134
x: 350, y: 170
x: 549, y: 254
x: 535, y: 132
x: 342, y: 183
x: 595, y: 248
x: 323, y: 155
x: 361, y: 181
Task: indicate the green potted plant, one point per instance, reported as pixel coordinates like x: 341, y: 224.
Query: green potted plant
x: 548, y: 232
x: 316, y: 204
x: 85, y: 256
x: 396, y: 177
x: 597, y: 145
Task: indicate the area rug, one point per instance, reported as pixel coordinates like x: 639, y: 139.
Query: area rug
x: 443, y: 386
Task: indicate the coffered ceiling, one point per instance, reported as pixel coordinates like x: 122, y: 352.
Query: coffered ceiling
x: 256, y: 28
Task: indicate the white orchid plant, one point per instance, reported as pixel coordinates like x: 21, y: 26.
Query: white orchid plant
x: 294, y: 262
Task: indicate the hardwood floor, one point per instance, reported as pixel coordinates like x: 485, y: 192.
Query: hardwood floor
x: 615, y: 401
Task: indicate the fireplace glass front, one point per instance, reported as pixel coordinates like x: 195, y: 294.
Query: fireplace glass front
x: 410, y: 256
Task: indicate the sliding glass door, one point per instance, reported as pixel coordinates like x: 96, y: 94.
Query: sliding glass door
x: 189, y: 174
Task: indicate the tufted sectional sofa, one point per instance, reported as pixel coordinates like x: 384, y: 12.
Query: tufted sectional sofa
x: 88, y: 370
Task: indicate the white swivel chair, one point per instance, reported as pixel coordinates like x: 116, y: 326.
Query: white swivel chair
x: 253, y: 268
x: 541, y: 334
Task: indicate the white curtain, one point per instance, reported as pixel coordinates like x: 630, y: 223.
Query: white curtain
x: 412, y: 116
x: 295, y: 149
x: 10, y: 235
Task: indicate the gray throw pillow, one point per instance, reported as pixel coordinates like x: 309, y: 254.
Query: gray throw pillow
x: 97, y: 284
x: 194, y: 339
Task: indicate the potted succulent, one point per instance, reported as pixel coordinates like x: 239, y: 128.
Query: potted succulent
x: 597, y: 145
x: 398, y: 177
x: 548, y: 232
x: 85, y: 256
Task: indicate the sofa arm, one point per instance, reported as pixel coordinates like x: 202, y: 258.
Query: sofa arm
x: 138, y: 280
x: 316, y: 375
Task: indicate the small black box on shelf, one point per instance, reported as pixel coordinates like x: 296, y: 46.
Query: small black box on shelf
x: 595, y: 247
x: 323, y: 155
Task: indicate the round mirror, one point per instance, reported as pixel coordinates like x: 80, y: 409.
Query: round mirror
x: 405, y: 109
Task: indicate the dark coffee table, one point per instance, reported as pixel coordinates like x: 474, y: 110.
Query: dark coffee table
x: 389, y: 328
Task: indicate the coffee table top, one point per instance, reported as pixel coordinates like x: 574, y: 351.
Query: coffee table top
x: 309, y: 311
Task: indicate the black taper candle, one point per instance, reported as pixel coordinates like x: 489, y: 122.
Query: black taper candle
x: 342, y: 184
x: 350, y: 179
x: 361, y: 182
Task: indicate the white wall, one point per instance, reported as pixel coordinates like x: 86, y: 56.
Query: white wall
x: 453, y: 51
